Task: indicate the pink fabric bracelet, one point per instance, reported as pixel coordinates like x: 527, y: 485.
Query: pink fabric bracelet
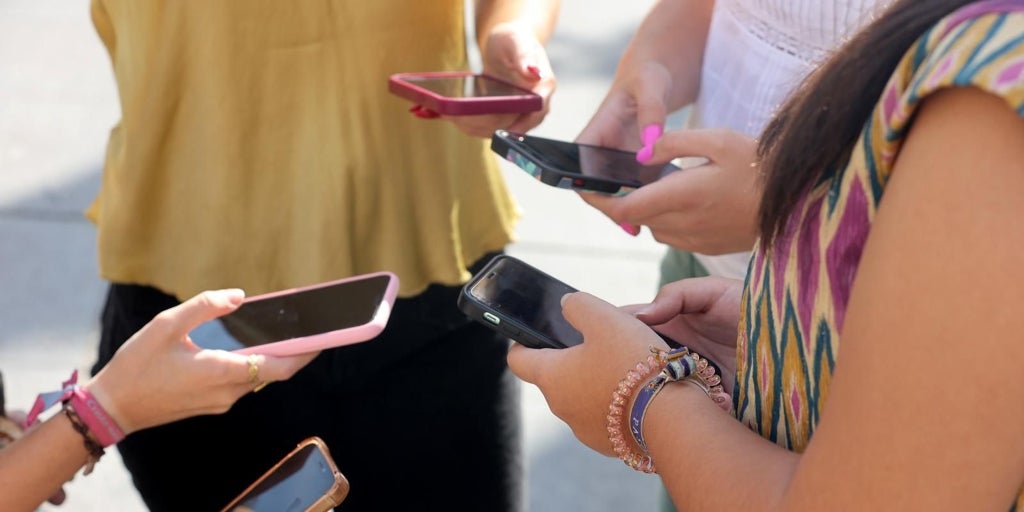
x: 92, y: 414
x: 95, y: 417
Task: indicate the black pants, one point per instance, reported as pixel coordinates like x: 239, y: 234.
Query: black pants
x: 424, y: 417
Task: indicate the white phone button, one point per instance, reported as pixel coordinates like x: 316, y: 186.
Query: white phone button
x: 491, y: 318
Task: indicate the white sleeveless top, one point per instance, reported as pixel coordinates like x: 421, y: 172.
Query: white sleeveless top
x: 757, y: 52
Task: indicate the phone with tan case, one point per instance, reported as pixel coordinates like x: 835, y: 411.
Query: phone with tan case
x: 305, y: 480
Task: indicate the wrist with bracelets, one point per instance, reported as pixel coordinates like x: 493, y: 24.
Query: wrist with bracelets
x: 97, y: 428
x: 635, y: 392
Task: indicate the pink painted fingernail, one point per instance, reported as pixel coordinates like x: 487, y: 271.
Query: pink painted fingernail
x: 534, y: 70
x: 629, y: 228
x: 650, y: 134
x: 644, y: 155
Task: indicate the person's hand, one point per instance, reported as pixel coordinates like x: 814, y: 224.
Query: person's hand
x: 159, y: 375
x: 578, y: 382
x: 708, y: 209
x: 703, y: 314
x: 511, y: 52
x: 633, y: 110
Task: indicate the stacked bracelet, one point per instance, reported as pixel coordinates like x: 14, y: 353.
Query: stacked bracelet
x: 87, y: 417
x: 620, y: 405
x: 660, y: 368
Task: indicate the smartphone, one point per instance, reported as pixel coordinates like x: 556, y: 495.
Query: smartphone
x: 524, y: 303
x: 521, y: 302
x: 577, y: 166
x: 303, y: 320
x: 305, y: 480
x: 463, y: 93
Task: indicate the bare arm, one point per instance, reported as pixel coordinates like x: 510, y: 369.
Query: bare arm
x: 924, y: 410
x: 658, y: 73
x: 158, y: 376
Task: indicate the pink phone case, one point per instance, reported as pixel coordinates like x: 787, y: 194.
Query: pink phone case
x: 331, y: 339
x: 523, y: 100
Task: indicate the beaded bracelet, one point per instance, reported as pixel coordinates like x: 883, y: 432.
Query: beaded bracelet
x: 618, y: 407
x: 660, y: 368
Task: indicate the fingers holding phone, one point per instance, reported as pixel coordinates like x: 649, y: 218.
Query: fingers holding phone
x: 513, y: 52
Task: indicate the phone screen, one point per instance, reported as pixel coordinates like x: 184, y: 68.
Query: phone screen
x: 469, y: 86
x: 294, y: 315
x: 608, y: 164
x: 528, y: 296
x: 299, y: 482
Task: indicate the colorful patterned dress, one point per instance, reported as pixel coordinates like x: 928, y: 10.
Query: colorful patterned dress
x: 796, y: 297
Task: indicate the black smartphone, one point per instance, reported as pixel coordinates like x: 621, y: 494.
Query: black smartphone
x: 305, y: 480
x: 463, y: 93
x: 577, y: 166
x: 306, y: 319
x: 524, y: 303
x: 521, y: 302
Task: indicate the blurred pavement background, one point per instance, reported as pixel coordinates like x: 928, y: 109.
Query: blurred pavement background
x: 57, y: 105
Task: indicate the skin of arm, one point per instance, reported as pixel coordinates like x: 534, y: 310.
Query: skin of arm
x: 511, y: 36
x: 658, y: 73
x: 710, y: 208
x: 158, y: 376
x: 924, y: 408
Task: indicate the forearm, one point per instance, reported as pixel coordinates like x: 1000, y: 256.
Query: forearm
x: 710, y: 461
x: 537, y: 15
x: 34, y: 468
x: 673, y: 34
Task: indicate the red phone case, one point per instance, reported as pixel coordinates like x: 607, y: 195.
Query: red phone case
x: 403, y: 84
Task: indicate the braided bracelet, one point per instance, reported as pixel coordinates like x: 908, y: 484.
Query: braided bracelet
x: 91, y: 444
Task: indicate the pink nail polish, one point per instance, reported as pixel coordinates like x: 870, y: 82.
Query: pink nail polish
x: 645, y: 154
x: 629, y: 228
x: 650, y: 134
x: 534, y: 70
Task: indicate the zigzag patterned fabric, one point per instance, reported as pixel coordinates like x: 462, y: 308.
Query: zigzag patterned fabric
x: 796, y: 296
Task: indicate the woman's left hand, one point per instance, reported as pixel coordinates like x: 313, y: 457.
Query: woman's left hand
x: 512, y: 52
x: 578, y: 382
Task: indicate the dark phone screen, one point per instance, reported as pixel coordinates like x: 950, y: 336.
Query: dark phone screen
x: 294, y: 315
x: 465, y: 86
x: 530, y: 297
x: 299, y: 482
x: 593, y: 161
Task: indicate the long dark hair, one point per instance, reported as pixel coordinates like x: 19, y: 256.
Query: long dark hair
x: 816, y: 129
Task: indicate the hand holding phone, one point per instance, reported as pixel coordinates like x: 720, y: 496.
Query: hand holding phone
x: 303, y: 320
x: 463, y: 93
x: 305, y: 480
x: 577, y: 166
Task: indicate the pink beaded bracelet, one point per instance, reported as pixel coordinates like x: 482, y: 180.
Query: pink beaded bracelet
x: 621, y: 403
x: 630, y: 406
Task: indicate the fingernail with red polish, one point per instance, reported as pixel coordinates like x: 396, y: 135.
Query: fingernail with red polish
x: 629, y: 228
x: 423, y: 113
x: 534, y: 70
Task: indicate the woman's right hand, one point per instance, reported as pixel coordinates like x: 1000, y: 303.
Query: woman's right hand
x: 159, y: 375
x: 702, y: 313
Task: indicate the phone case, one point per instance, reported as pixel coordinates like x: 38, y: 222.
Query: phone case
x: 505, y: 144
x: 331, y: 339
x: 497, y: 320
x: 527, y: 101
x: 332, y: 498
